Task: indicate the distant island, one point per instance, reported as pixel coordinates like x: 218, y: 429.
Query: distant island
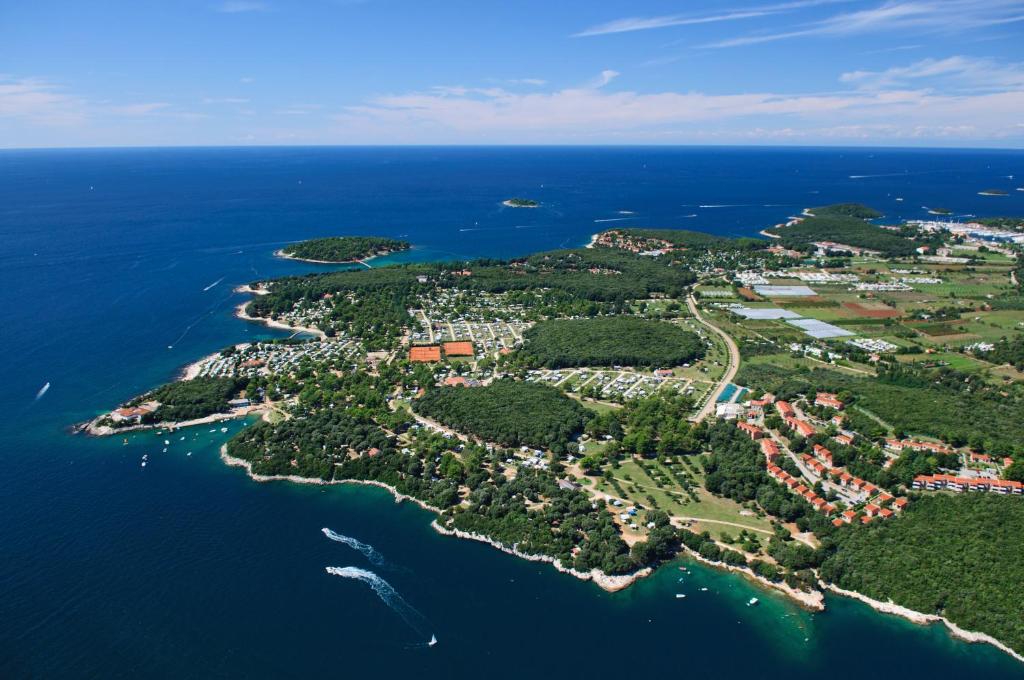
x: 342, y: 249
x: 993, y: 192
x: 521, y: 203
x: 939, y: 211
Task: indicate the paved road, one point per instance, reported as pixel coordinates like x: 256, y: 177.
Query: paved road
x: 731, y: 369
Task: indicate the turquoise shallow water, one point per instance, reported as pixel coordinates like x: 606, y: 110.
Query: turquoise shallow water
x: 188, y: 568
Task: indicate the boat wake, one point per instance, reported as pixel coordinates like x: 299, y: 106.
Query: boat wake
x: 614, y: 219
x: 368, y: 550
x: 42, y: 390
x: 391, y: 598
x: 214, y: 283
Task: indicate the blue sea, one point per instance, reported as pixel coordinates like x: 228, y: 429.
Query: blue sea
x: 117, y: 268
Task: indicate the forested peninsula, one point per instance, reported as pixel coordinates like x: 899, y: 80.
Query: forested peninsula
x: 792, y: 408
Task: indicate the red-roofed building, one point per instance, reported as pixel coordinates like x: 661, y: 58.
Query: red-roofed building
x: 885, y: 513
x: 848, y: 516
x: 784, y: 408
x: 454, y: 380
x: 871, y: 509
x: 753, y: 431
x: 801, y: 427
x: 899, y: 504
x: 837, y: 522
x: 823, y: 454
x: 828, y: 400
x: 844, y: 439
x: 769, y: 449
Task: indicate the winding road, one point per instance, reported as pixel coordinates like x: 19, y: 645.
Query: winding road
x: 731, y: 369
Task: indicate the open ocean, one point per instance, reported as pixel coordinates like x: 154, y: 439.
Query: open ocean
x: 117, y: 268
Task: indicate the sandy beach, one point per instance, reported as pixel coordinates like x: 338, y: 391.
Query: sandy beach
x: 242, y: 314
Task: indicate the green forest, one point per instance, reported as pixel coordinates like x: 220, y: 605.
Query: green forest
x: 845, y: 224
x: 343, y: 248
x: 608, y: 341
x: 858, y: 210
x: 189, y: 399
x: 955, y: 556
x: 507, y: 412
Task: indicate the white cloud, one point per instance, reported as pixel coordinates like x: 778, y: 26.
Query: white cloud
x: 957, y: 72
x: 593, y: 114
x: 225, y: 100
x: 630, y: 24
x: 240, y: 6
x: 38, y: 101
x: 918, y: 16
x: 141, y: 109
x: 603, y: 79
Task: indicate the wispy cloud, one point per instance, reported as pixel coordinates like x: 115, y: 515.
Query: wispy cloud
x: 954, y: 73
x: 240, y: 6
x: 630, y: 24
x: 594, y: 113
x: 38, y: 101
x: 225, y: 100
x: 917, y: 16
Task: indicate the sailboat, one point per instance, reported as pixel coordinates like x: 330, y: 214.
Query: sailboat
x: 433, y: 641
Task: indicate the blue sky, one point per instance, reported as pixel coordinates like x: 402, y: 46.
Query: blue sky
x: 238, y: 72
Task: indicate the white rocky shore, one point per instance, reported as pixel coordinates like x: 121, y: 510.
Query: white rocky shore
x: 923, y: 619
x: 608, y: 582
x: 298, y: 479
x: 813, y: 600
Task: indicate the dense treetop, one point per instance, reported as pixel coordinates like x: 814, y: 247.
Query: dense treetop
x: 190, y: 399
x: 507, y: 412
x: 343, y: 248
x: 857, y: 210
x: 608, y: 341
x: 955, y: 556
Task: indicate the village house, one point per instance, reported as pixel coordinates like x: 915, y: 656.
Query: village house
x: 828, y: 400
x: 801, y: 427
x: 753, y: 431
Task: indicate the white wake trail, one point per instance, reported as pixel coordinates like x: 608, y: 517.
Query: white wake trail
x: 368, y: 550
x: 214, y: 283
x: 389, y: 595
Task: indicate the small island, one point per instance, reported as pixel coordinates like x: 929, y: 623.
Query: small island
x: 993, y: 192
x: 520, y: 203
x: 342, y: 249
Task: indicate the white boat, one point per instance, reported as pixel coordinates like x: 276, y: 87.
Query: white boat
x: 167, y: 442
x: 752, y: 602
x: 223, y: 429
x: 703, y: 590
x: 143, y: 463
x: 680, y: 596
x: 433, y: 641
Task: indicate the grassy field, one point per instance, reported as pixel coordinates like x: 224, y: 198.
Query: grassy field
x: 717, y: 515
